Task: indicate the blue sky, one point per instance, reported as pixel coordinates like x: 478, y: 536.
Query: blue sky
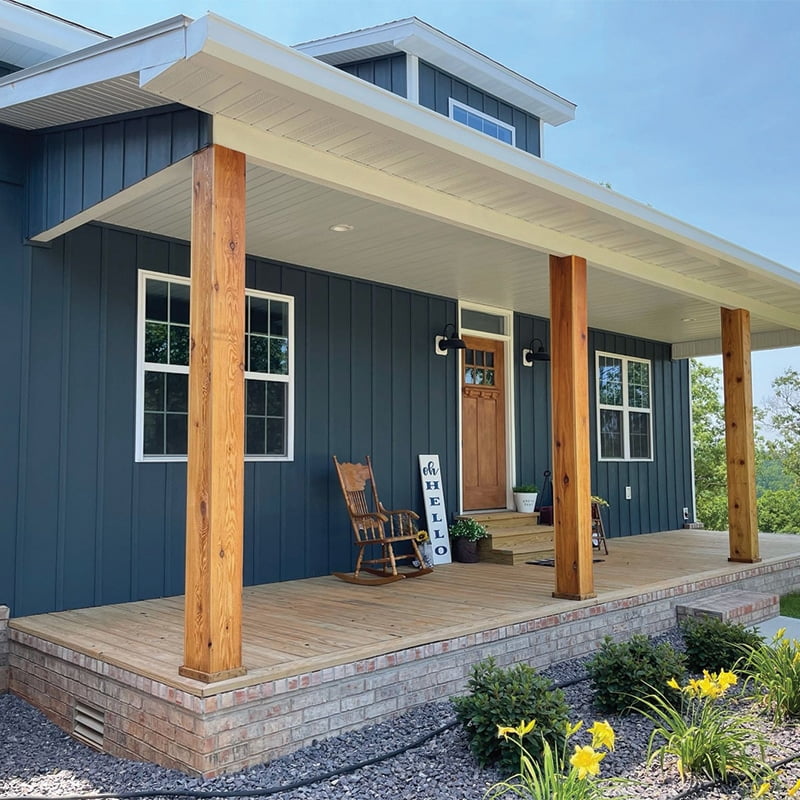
x: 692, y: 107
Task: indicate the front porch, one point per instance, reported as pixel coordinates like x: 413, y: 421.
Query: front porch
x: 324, y: 656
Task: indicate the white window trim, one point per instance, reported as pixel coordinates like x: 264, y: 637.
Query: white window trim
x: 139, y: 455
x: 625, y: 408
x: 452, y: 103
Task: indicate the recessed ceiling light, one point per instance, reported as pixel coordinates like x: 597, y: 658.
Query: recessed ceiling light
x: 341, y: 227
x: 688, y: 319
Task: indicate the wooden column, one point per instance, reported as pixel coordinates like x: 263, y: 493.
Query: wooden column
x: 739, y: 438
x: 570, y: 404
x: 215, y: 473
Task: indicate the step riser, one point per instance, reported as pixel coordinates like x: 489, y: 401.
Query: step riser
x: 514, y: 559
x: 522, y: 537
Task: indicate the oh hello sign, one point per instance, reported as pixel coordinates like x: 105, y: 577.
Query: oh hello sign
x: 433, y: 494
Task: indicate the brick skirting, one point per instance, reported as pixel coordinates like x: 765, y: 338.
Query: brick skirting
x: 145, y: 719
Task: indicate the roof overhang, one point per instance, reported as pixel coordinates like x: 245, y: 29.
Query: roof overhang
x: 438, y: 207
x: 29, y: 36
x: 417, y: 38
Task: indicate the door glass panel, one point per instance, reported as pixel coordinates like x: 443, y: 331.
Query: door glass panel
x: 481, y: 321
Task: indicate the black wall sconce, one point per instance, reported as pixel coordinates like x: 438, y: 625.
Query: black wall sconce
x: 533, y: 353
x: 448, y: 341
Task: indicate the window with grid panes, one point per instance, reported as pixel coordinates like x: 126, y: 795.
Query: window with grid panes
x: 624, y: 408
x: 479, y: 367
x: 163, y: 388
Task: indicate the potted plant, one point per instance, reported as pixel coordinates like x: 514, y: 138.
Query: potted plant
x: 525, y: 497
x: 465, y: 533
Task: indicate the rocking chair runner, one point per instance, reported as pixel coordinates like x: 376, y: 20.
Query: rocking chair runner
x: 376, y: 526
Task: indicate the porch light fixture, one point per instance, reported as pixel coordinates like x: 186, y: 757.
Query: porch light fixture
x: 533, y: 353
x: 448, y: 341
x: 341, y: 227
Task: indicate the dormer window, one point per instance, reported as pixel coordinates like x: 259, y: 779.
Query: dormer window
x: 479, y: 121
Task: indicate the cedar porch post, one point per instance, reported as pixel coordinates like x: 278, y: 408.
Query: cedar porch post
x: 739, y: 439
x: 570, y: 404
x: 215, y: 470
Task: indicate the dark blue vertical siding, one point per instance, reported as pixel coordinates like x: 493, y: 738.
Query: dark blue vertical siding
x: 388, y: 72
x: 661, y: 488
x: 74, y: 167
x: 436, y: 87
x: 13, y: 351
x: 95, y: 527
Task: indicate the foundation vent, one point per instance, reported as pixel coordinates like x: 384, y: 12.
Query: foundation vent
x: 88, y: 724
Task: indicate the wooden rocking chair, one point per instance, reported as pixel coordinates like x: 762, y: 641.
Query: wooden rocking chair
x: 376, y: 526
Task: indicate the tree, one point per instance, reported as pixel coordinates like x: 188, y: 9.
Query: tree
x: 779, y: 511
x: 708, y: 432
x: 783, y: 415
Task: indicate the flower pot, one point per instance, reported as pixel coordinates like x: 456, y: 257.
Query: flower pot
x: 465, y: 550
x: 525, y: 502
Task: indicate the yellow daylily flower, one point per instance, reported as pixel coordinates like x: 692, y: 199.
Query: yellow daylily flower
x: 794, y: 790
x: 726, y: 680
x: 673, y: 684
x: 586, y: 760
x: 573, y: 729
x: 524, y: 728
x: 779, y: 634
x: 762, y: 790
x: 602, y: 735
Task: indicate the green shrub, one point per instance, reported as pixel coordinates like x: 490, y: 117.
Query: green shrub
x: 506, y: 697
x: 623, y: 673
x: 713, y: 644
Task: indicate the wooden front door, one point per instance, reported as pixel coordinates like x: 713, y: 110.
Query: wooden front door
x: 483, y: 423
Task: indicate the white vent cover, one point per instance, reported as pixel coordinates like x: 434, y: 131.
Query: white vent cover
x: 88, y: 724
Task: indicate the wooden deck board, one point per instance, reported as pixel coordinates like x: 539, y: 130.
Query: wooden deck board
x: 299, y: 626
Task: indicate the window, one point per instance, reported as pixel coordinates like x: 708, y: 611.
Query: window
x: 624, y: 408
x: 479, y: 121
x: 163, y: 375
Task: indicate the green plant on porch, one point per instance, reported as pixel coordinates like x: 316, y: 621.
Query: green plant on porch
x: 716, y: 644
x: 469, y: 529
x: 601, y: 501
x: 705, y: 736
x: 773, y: 670
x: 503, y: 697
x: 525, y: 488
x: 623, y: 673
x: 554, y: 776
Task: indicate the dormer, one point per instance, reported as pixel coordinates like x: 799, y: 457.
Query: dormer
x: 424, y: 65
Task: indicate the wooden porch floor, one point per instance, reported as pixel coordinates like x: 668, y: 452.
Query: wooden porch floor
x: 305, y: 625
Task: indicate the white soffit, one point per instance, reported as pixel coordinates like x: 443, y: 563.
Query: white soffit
x: 415, y: 37
x: 29, y: 36
x: 98, y: 81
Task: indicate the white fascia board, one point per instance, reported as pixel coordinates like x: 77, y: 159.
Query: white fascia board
x: 244, y: 48
x: 154, y: 45
x: 415, y: 37
x: 764, y: 340
x: 45, y: 31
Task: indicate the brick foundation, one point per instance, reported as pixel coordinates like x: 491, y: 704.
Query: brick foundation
x: 3, y: 649
x: 145, y: 719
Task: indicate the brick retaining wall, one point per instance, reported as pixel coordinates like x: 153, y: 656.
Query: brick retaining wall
x: 225, y: 732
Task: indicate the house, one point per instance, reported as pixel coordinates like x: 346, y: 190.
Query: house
x: 335, y: 207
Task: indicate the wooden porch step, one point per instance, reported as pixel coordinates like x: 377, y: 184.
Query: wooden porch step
x: 494, y: 520
x: 517, y: 547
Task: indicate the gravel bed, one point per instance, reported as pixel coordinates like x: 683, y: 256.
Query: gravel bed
x: 37, y: 758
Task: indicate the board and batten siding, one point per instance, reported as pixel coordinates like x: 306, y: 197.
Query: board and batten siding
x: 661, y: 488
x: 74, y: 167
x: 13, y: 343
x: 436, y: 87
x: 87, y: 525
x: 388, y: 72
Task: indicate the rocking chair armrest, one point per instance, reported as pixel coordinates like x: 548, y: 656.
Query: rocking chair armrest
x: 375, y: 517
x: 406, y: 511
